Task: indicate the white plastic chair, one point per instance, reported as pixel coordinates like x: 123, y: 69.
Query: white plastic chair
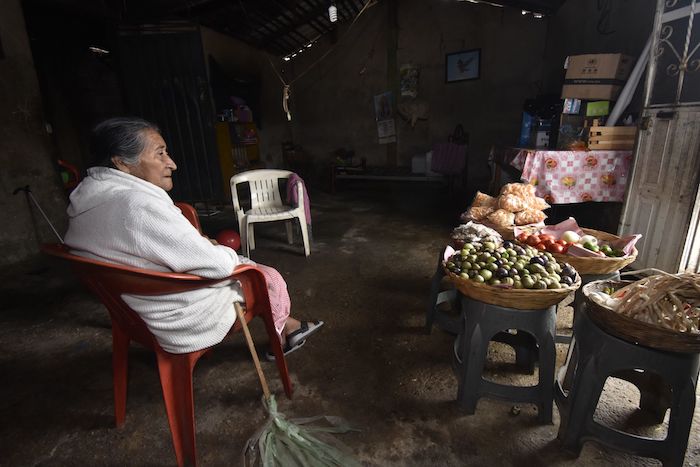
x: 267, y: 206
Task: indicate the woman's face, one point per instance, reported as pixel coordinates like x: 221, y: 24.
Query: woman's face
x: 155, y: 165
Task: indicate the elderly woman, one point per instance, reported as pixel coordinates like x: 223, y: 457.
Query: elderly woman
x: 121, y: 213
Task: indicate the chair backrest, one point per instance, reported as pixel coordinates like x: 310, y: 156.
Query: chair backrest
x: 110, y: 281
x: 190, y: 214
x: 264, y: 187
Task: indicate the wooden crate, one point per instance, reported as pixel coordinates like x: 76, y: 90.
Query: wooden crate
x: 611, y: 137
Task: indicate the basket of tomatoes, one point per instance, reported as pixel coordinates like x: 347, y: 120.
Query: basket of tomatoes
x: 590, y: 265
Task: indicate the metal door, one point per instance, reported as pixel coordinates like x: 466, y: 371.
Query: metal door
x: 662, y: 193
x: 165, y: 81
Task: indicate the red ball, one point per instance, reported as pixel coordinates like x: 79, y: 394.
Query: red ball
x: 229, y: 238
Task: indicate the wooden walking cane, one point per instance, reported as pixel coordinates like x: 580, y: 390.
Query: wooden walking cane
x: 253, y: 352
x: 291, y: 443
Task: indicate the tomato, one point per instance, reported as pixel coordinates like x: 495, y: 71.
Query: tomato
x: 565, y: 248
x: 522, y: 237
x: 562, y: 242
x: 548, y: 243
x: 533, y: 240
x: 541, y: 247
x: 555, y: 248
x: 545, y: 237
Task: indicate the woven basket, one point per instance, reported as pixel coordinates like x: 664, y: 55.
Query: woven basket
x: 521, y: 299
x: 597, y: 265
x: 632, y: 330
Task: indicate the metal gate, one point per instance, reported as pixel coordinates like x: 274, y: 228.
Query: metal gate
x: 165, y: 81
x: 662, y: 195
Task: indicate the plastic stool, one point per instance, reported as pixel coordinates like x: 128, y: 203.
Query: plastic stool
x: 432, y: 314
x: 482, y: 323
x: 579, y: 298
x: 595, y: 355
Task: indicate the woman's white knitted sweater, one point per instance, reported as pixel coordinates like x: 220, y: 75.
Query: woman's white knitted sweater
x: 119, y: 218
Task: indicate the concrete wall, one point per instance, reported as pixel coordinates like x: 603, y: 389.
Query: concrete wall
x: 26, y: 155
x: 334, y: 102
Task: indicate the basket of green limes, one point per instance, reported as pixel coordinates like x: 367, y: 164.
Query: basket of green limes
x: 511, y: 275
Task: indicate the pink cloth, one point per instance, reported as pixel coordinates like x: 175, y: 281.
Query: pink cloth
x: 563, y: 177
x: 448, y: 158
x: 280, y: 303
x: 293, y: 195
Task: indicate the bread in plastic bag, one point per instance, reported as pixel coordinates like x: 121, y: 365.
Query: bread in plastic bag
x: 529, y: 216
x: 482, y: 199
x: 501, y: 218
x: 538, y: 203
x: 512, y: 203
x: 477, y: 213
x: 523, y: 190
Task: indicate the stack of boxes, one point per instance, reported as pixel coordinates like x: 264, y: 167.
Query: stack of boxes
x: 591, y: 85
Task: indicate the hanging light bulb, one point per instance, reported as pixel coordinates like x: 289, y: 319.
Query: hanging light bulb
x: 538, y: 15
x: 333, y: 13
x: 524, y: 12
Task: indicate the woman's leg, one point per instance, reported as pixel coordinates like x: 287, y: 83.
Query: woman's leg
x: 280, y: 303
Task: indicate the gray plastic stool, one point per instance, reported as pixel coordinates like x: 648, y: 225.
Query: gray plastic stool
x: 595, y: 355
x: 482, y: 323
x: 432, y: 314
x: 579, y: 297
x: 524, y: 345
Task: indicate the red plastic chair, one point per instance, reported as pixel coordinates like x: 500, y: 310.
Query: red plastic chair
x: 190, y: 214
x: 109, y: 281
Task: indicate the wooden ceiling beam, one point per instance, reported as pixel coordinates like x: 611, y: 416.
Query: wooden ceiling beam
x: 280, y: 33
x: 298, y: 13
x: 291, y: 29
x: 314, y: 22
x: 256, y: 26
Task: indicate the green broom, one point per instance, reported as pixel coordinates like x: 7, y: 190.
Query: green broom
x: 290, y: 443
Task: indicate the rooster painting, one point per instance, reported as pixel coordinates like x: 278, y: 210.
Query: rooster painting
x: 462, y: 65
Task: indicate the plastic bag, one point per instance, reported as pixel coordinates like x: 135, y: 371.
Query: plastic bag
x: 512, y: 203
x: 523, y: 190
x: 477, y: 213
x: 538, y: 203
x: 482, y: 199
x: 501, y: 218
x: 529, y: 216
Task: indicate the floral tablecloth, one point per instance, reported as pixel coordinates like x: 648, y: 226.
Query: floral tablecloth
x: 563, y: 177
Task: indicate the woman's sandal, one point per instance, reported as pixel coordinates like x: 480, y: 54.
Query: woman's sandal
x: 306, y: 329
x: 287, y: 349
x: 297, y: 338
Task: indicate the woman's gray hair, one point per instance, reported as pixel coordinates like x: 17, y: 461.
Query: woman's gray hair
x: 122, y: 137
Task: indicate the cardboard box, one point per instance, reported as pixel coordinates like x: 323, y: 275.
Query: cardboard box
x: 597, y: 108
x: 596, y: 76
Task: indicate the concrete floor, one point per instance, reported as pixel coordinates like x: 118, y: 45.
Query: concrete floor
x: 368, y: 277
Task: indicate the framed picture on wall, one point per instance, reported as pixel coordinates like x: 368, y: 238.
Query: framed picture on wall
x: 463, y: 65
